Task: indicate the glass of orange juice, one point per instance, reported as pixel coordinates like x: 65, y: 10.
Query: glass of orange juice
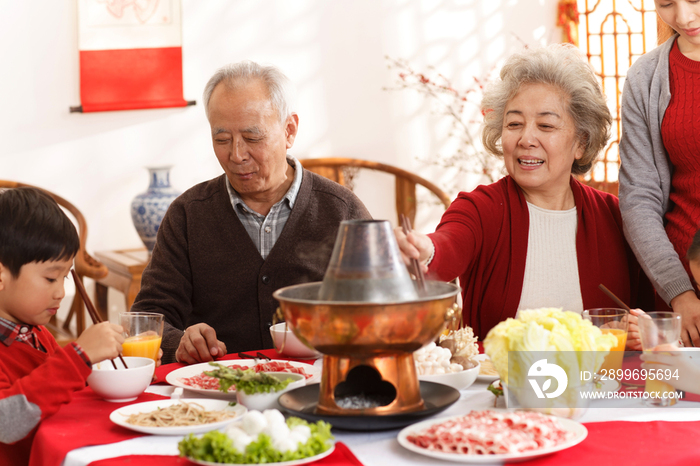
x: 615, y: 322
x: 143, y: 331
x: 660, y: 332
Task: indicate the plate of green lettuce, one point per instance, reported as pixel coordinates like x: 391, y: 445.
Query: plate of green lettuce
x: 216, y: 448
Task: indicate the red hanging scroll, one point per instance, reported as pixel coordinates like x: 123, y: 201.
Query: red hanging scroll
x: 130, y: 54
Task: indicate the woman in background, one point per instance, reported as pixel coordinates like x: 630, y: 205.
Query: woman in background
x: 538, y: 237
x: 660, y: 155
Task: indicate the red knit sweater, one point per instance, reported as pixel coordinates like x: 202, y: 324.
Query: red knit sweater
x: 34, y: 384
x: 680, y: 130
x: 483, y: 237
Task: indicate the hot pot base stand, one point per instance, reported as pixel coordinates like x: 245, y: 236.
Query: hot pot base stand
x: 302, y: 402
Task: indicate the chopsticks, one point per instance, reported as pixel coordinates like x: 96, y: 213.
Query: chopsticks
x: 612, y: 296
x: 96, y: 319
x: 417, y: 270
x: 259, y: 355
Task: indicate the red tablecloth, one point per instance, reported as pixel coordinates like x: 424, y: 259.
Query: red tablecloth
x: 85, y: 421
x: 617, y: 443
x: 342, y: 456
x: 82, y: 422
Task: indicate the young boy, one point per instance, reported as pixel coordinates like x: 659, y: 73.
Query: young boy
x: 687, y: 361
x: 37, y: 246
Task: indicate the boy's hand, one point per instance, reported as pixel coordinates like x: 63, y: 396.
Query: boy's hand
x: 159, y: 361
x: 634, y: 338
x: 675, y: 360
x: 102, y: 341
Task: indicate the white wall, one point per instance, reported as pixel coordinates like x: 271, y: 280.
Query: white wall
x: 332, y: 50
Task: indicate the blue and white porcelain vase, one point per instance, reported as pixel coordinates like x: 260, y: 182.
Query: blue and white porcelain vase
x: 148, y: 208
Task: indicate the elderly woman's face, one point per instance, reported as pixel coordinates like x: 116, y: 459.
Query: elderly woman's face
x: 539, y: 140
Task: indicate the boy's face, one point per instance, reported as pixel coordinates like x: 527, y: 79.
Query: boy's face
x: 695, y: 270
x: 34, y: 296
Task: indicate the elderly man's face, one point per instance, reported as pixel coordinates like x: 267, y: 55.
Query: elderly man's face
x: 249, y: 140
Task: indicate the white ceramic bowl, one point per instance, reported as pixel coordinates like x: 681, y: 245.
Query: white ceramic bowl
x: 121, y: 384
x: 263, y: 401
x: 293, y: 347
x: 459, y: 380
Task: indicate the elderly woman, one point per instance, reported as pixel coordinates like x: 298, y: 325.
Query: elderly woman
x: 537, y: 237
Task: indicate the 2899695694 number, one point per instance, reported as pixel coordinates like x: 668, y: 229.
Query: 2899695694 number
x: 638, y: 374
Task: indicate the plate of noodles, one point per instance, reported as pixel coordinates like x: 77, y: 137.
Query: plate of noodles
x: 177, y: 417
x: 193, y: 378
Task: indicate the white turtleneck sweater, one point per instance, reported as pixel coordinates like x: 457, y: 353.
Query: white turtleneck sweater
x: 551, y: 268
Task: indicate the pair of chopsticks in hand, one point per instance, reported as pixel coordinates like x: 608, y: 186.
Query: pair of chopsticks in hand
x: 612, y: 296
x: 415, y: 264
x: 96, y: 319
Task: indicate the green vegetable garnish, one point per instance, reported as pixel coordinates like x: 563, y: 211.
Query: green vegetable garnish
x: 496, y: 390
x: 248, y: 381
x: 217, y: 447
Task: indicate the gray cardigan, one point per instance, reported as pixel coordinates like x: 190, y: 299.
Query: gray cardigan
x: 645, y: 172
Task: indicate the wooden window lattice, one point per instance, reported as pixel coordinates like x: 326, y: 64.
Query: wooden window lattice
x: 613, y: 33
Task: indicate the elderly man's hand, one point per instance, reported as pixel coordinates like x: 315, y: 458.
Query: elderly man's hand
x: 199, y: 344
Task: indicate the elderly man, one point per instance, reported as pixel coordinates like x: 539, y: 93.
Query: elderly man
x: 226, y: 244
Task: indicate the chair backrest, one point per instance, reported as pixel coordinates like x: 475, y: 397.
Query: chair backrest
x: 85, y: 266
x: 341, y: 171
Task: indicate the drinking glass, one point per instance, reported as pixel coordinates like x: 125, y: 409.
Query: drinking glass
x: 660, y: 332
x: 615, y: 322
x: 143, y: 331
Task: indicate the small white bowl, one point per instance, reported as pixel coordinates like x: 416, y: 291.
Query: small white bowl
x: 293, y: 347
x: 121, y: 384
x: 263, y: 401
x: 459, y: 380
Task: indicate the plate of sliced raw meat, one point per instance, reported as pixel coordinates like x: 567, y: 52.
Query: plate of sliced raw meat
x: 194, y: 378
x: 492, y: 436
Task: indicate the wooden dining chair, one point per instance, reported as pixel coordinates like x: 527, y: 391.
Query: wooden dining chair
x: 342, y: 171
x: 85, y: 266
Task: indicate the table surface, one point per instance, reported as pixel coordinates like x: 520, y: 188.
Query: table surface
x: 382, y: 448
x: 124, y: 260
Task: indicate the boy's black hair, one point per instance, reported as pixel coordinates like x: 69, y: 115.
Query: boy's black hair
x: 33, y: 228
x: 694, y: 249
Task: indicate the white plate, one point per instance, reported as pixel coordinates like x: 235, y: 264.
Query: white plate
x: 608, y: 385
x: 119, y: 416
x: 173, y: 378
x: 310, y: 459
x: 579, y: 431
x: 485, y: 378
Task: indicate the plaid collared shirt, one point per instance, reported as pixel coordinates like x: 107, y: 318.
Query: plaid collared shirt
x: 24, y: 333
x: 265, y: 230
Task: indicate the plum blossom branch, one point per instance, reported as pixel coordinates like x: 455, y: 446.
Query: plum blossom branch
x: 460, y: 106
